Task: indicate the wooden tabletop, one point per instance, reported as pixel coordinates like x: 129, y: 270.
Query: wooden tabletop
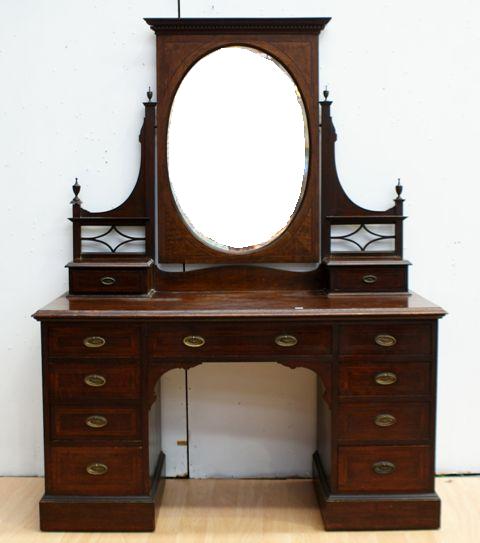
x: 245, y: 304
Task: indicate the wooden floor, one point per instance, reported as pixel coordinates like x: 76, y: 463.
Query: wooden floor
x: 228, y: 511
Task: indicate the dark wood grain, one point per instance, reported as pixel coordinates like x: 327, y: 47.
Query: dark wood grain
x: 91, y: 281
x: 248, y: 304
x: 68, y: 475
x: 412, y: 338
x: 413, y: 471
x: 70, y: 422
x: 67, y: 340
x: 356, y: 279
x: 356, y: 421
x: 227, y: 339
x: 357, y: 379
x: 66, y: 381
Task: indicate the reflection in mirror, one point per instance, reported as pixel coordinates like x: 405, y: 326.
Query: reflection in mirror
x: 237, y: 149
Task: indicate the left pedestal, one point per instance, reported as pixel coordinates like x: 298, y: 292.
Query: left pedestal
x: 100, y: 469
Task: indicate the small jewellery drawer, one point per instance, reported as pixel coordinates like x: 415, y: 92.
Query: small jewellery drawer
x: 368, y: 279
x: 95, y: 422
x: 384, y: 378
x: 383, y: 421
x: 97, y: 471
x: 259, y: 339
x: 87, y: 380
x: 386, y: 338
x: 106, y: 281
x: 402, y: 468
x: 93, y: 340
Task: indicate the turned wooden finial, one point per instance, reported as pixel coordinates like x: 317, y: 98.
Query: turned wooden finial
x: 149, y: 94
x: 76, y: 189
x: 399, y: 189
x: 326, y: 93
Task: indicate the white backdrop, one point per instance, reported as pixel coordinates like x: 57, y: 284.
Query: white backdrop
x: 404, y: 77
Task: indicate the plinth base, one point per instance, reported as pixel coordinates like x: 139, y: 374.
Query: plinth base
x: 374, y: 511
x: 103, y: 513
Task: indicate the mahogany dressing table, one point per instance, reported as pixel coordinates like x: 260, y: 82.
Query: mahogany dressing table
x: 130, y: 316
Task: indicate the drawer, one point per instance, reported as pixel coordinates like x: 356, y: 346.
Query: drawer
x: 368, y: 279
x: 384, y: 378
x: 94, y: 381
x: 385, y: 469
x: 254, y: 340
x: 95, y: 422
x: 386, y: 338
x: 95, y: 340
x: 383, y: 421
x: 108, y: 281
x: 95, y: 471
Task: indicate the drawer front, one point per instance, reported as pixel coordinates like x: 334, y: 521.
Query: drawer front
x: 96, y: 471
x: 94, y: 381
x: 385, y: 469
x: 95, y: 422
x: 368, y: 279
x: 225, y: 340
x: 386, y: 338
x: 384, y: 378
x: 384, y: 421
x: 94, y: 340
x: 106, y: 281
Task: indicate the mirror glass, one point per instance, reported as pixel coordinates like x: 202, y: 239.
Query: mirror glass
x: 237, y: 149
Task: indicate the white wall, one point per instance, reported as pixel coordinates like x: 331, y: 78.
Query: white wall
x: 404, y: 78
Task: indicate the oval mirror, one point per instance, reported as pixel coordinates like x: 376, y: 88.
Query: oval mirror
x: 237, y: 149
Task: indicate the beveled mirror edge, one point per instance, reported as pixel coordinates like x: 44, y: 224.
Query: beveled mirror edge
x: 257, y: 247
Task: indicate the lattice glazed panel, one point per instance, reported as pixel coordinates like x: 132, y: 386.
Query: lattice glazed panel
x: 113, y: 239
x: 368, y: 238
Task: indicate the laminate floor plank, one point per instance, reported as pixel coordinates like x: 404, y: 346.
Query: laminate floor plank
x: 240, y: 511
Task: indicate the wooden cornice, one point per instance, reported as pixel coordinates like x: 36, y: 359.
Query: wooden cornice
x: 244, y: 25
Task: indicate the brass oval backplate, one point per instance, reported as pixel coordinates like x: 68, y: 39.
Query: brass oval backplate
x: 94, y: 342
x: 286, y: 340
x: 95, y: 380
x: 385, y: 378
x: 107, y: 281
x: 369, y: 279
x: 194, y: 341
x: 385, y: 340
x: 384, y: 420
x: 96, y: 421
x: 383, y: 467
x: 97, y: 468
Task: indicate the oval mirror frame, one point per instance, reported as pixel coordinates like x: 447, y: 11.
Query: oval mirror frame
x: 297, y: 53
x: 238, y: 106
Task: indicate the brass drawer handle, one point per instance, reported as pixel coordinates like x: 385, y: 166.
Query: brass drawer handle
x: 385, y: 340
x: 194, y: 341
x: 96, y: 421
x: 107, y: 281
x: 95, y: 380
x: 385, y: 378
x: 384, y: 420
x: 369, y: 279
x: 94, y: 342
x: 383, y: 467
x: 286, y: 340
x: 97, y: 468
